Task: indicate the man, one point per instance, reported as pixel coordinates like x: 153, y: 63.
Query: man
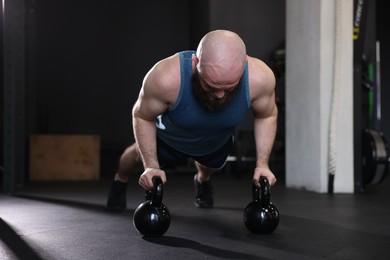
x: 188, y: 107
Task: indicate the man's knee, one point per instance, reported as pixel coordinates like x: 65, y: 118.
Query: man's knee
x: 203, y: 167
x: 131, y: 153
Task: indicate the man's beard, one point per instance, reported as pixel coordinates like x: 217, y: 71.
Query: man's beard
x: 207, y: 99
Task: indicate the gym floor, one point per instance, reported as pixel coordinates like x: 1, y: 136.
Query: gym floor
x: 68, y: 220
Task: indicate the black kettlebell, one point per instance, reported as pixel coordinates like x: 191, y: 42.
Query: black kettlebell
x: 261, y: 216
x: 152, y: 217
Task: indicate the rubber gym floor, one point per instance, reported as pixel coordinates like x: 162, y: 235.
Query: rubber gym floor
x: 68, y: 220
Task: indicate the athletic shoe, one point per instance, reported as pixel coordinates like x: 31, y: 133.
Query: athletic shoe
x: 117, y: 196
x: 204, y: 193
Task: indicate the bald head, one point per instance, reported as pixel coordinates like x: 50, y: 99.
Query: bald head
x: 222, y: 57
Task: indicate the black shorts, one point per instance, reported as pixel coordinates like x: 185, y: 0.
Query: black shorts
x: 169, y: 157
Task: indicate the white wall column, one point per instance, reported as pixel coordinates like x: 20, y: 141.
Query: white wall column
x: 319, y: 66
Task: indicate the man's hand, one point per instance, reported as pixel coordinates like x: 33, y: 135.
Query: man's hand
x: 265, y: 172
x: 146, y: 178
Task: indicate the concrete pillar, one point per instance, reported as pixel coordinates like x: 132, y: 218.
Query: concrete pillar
x: 319, y: 64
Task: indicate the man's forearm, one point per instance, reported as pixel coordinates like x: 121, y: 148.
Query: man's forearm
x: 265, y: 131
x: 145, y: 136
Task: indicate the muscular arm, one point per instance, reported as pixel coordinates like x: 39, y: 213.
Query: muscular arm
x: 159, y: 90
x: 265, y: 131
x: 265, y: 119
x: 145, y: 133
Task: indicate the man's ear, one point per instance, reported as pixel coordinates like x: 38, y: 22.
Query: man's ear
x: 195, y: 59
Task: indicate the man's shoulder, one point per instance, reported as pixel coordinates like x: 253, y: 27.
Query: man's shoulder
x: 261, y: 77
x: 164, y: 78
x: 167, y: 70
x: 257, y: 64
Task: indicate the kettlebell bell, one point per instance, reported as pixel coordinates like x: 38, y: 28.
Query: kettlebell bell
x: 152, y: 217
x: 261, y: 216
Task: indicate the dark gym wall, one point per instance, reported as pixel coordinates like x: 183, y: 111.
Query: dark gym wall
x: 91, y: 59
x: 260, y: 23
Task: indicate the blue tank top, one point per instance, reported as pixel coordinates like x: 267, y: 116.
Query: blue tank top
x: 189, y: 127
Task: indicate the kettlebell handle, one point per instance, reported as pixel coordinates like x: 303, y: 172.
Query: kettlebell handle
x: 263, y: 193
x: 156, y: 194
x: 265, y: 187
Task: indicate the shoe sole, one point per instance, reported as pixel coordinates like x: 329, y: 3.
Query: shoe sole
x: 203, y: 206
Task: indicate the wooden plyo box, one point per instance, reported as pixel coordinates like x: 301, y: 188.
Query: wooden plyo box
x: 64, y: 157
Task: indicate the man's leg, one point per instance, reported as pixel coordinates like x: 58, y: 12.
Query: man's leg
x: 204, y: 190
x: 214, y: 161
x: 204, y: 172
x: 128, y: 163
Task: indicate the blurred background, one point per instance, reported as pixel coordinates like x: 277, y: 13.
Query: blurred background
x: 82, y: 63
